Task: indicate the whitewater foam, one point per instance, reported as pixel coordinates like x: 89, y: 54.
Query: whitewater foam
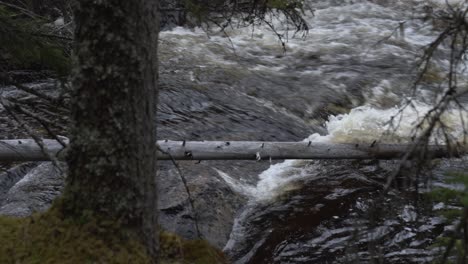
x: 361, y: 124
x: 338, y: 33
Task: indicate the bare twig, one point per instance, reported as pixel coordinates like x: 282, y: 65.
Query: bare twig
x: 30, y: 131
x: 187, y: 190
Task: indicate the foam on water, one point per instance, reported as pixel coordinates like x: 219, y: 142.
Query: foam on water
x: 237, y: 186
x: 345, y: 31
x: 367, y: 124
x: 339, y: 33
x: 276, y: 179
x: 364, y: 124
x: 361, y: 124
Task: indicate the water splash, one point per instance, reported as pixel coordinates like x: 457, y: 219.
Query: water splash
x: 368, y: 124
x: 363, y: 124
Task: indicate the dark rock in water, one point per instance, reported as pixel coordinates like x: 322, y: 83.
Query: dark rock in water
x: 34, y: 192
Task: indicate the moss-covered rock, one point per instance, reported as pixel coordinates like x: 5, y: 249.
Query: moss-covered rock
x: 53, y: 238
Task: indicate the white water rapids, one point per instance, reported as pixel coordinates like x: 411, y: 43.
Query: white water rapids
x: 341, y: 32
x: 355, y: 50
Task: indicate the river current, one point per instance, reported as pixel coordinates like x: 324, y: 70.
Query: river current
x: 344, y: 80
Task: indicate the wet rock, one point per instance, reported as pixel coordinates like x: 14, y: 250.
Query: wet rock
x: 34, y: 192
x: 215, y: 203
x: 216, y: 111
x: 9, y: 178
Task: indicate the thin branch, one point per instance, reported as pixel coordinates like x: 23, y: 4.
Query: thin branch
x: 30, y: 131
x: 187, y: 190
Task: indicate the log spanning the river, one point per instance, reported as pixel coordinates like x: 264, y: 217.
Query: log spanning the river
x: 29, y: 150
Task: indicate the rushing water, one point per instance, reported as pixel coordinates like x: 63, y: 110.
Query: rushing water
x: 345, y: 80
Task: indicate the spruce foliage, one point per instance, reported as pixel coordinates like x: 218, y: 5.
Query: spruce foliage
x: 27, y: 43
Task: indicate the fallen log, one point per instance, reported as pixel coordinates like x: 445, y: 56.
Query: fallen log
x: 29, y: 150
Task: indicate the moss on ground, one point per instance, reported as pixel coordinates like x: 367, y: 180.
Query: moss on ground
x: 51, y: 238
x: 174, y: 249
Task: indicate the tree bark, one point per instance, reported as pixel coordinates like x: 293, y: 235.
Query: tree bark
x: 252, y: 150
x: 112, y: 155
x: 28, y: 150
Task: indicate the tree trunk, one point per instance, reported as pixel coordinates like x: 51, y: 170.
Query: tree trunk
x: 112, y: 155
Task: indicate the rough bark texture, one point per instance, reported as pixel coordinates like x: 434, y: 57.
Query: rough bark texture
x: 112, y: 155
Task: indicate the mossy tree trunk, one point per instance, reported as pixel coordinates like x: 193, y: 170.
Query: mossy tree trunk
x: 112, y: 155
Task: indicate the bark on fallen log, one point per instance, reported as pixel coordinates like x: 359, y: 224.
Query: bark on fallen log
x: 28, y: 150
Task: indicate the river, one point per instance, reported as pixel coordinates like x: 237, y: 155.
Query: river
x: 342, y: 82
